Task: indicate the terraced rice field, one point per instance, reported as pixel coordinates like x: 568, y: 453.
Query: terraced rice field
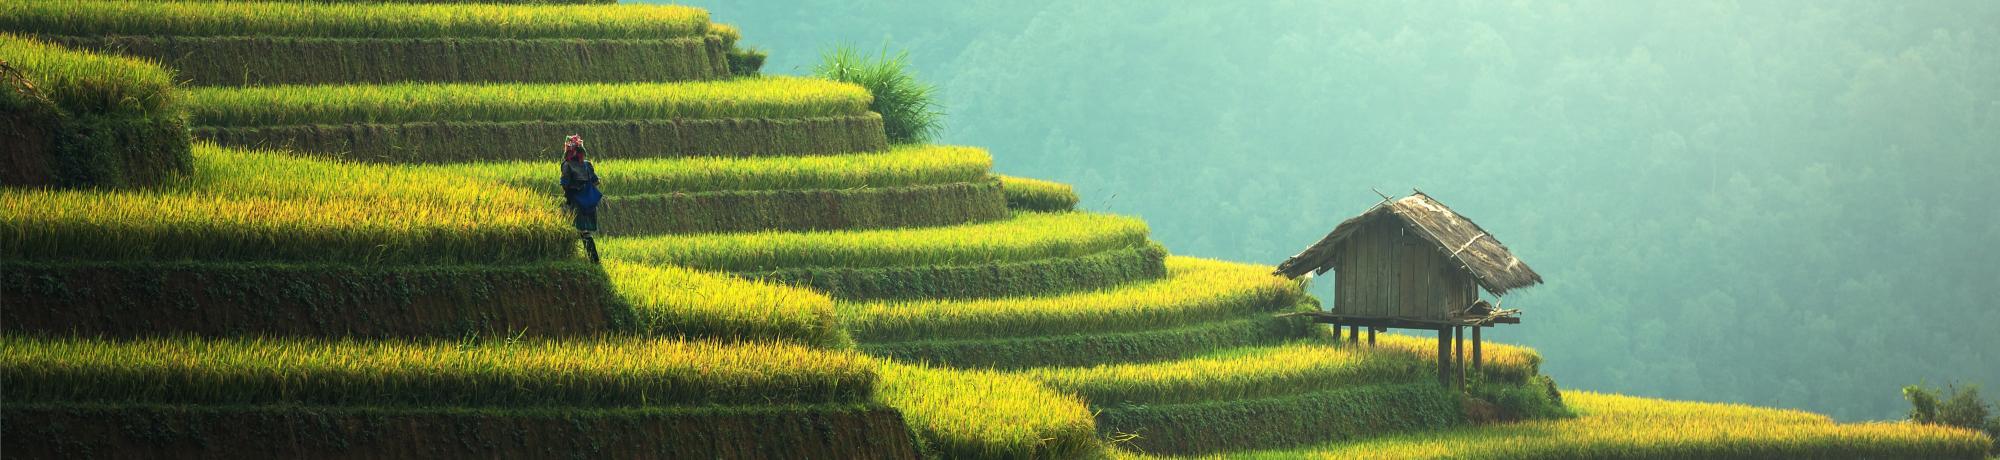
x: 900, y: 166
x: 1027, y: 236
x: 260, y: 206
x: 345, y: 20
x: 770, y: 97
x: 610, y: 372
x: 1620, y: 427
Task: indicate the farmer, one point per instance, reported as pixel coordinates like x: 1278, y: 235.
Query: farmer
x: 580, y: 194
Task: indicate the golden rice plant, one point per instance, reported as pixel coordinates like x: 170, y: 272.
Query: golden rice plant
x: 987, y: 414
x: 1037, y: 194
x: 1615, y: 426
x: 349, y: 20
x: 1026, y: 236
x: 603, y: 372
x: 260, y: 206
x: 901, y: 166
x: 670, y: 300
x: 770, y: 97
x: 1195, y: 290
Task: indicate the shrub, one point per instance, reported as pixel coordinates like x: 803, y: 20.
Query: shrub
x: 1960, y: 407
x: 909, y: 107
x: 1038, y: 195
x: 746, y: 62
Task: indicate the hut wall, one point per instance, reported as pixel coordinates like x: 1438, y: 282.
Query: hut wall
x: 1384, y: 272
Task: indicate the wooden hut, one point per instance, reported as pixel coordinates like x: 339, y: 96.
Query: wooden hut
x: 1414, y: 263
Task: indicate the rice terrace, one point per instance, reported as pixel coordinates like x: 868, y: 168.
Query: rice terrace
x: 623, y: 229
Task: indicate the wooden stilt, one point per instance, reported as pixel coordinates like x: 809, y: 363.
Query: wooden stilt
x: 1458, y: 355
x: 1336, y: 333
x: 1371, y: 337
x: 1354, y: 334
x: 1444, y: 356
x: 1478, y: 364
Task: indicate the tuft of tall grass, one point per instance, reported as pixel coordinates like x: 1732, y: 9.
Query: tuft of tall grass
x: 771, y: 97
x: 80, y: 82
x: 1025, y: 237
x: 606, y: 372
x: 349, y: 20
x: 77, y: 119
x: 1615, y: 426
x: 1038, y: 195
x: 1194, y: 291
x: 909, y: 107
x: 262, y: 206
x: 901, y: 166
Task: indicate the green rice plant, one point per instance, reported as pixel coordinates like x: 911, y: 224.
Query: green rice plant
x: 79, y: 119
x: 1077, y: 350
x: 771, y: 97
x: 38, y: 430
x: 1194, y: 291
x: 1245, y: 373
x: 803, y: 210
x: 1614, y: 426
x: 900, y: 166
x: 607, y: 372
x: 346, y: 20
x: 909, y: 107
x: 159, y: 299
x: 273, y: 60
x: 1025, y: 237
x: 259, y: 206
x: 1038, y: 195
x: 679, y: 301
x: 1501, y: 362
x: 1000, y: 279
x: 985, y: 414
x: 458, y: 142
x: 1216, y: 427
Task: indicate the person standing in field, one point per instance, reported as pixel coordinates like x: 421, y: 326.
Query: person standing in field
x: 580, y: 194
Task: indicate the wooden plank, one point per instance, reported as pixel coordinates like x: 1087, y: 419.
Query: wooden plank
x: 1444, y: 356
x: 1478, y: 364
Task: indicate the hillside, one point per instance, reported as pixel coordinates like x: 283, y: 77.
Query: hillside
x: 330, y: 229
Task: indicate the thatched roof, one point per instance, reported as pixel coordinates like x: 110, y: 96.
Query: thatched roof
x: 1477, y: 252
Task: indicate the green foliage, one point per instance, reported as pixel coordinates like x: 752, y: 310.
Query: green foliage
x: 1194, y: 291
x: 672, y: 301
x: 1025, y: 237
x: 985, y: 414
x: 1538, y: 398
x: 900, y: 166
x: 452, y: 142
x: 151, y: 299
x: 909, y: 107
x: 260, y: 206
x: 964, y: 281
x: 1038, y: 195
x: 80, y: 120
x: 344, y: 20
x: 1959, y: 407
x: 144, y: 431
x: 274, y: 60
x: 803, y: 210
x: 771, y: 97
x: 606, y: 372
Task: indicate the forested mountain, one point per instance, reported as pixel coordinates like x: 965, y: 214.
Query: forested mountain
x: 1786, y: 203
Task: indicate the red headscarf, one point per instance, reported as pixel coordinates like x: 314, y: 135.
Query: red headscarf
x: 573, y: 148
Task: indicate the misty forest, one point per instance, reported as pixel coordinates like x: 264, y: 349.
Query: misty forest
x: 1784, y: 203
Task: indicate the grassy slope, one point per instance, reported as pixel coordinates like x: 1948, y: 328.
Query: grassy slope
x: 770, y: 97
x: 1026, y: 237
x: 901, y: 166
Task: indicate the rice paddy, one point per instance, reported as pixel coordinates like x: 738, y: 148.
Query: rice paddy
x: 1195, y: 290
x: 346, y: 20
x: 769, y: 97
x: 261, y: 206
x: 90, y: 83
x: 610, y: 372
x: 673, y: 300
x: 1615, y: 426
x: 1241, y: 374
x: 900, y: 166
x: 1038, y: 195
x: 1025, y: 237
x: 986, y: 414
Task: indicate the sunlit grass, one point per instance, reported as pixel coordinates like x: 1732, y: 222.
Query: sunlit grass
x: 1027, y: 236
x: 346, y: 20
x: 900, y: 166
x: 771, y: 97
